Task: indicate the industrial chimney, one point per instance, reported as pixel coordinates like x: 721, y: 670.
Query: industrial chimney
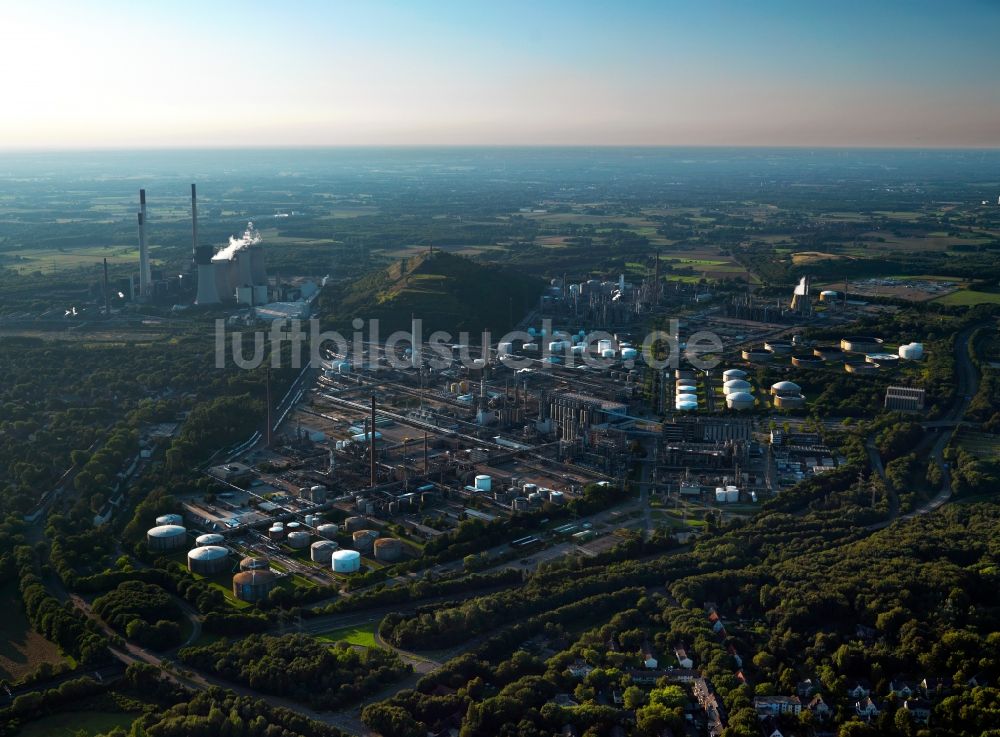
x: 145, y: 274
x: 208, y: 292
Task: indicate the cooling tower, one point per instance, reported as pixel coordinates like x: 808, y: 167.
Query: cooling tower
x: 208, y: 293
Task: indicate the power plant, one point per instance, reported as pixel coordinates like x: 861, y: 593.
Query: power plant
x: 236, y: 273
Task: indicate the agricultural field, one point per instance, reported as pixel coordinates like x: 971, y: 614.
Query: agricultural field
x: 979, y: 444
x: 77, y: 724
x: 969, y: 297
x: 361, y: 634
x: 21, y: 648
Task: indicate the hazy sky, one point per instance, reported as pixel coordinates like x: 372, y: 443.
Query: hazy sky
x: 106, y: 73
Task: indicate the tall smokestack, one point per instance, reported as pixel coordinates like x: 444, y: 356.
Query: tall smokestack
x: 143, y: 259
x: 107, y: 292
x: 371, y: 446
x: 194, y: 222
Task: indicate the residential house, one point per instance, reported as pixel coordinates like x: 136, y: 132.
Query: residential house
x: 819, y: 707
x: 736, y: 656
x: 769, y: 728
x: 776, y: 705
x: 649, y: 657
x: 806, y: 688
x: 866, y: 708
x: 682, y: 657
x: 903, y: 689
x: 580, y: 669
x: 933, y: 687
x: 859, y: 689
x: 920, y: 709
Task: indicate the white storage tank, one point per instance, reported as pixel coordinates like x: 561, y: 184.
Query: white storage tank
x: 686, y: 406
x: 530, y: 489
x: 783, y: 388
x: 629, y: 354
x: 736, y: 385
x: 505, y: 348
x: 557, y: 497
x: 298, y: 540
x: 732, y: 496
x: 608, y: 353
x: 329, y: 531
x: 346, y: 561
x: 322, y: 551
x: 166, y: 537
x: 729, y: 374
x: 210, y: 538
x: 605, y: 345
x: 686, y: 398
x: 912, y: 351
x: 740, y: 400
x: 484, y: 482
x: 687, y: 389
x: 170, y: 519
x: 720, y: 495
x: 208, y: 560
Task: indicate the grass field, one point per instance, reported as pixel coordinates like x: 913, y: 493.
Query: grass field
x: 982, y: 445
x: 73, y: 723
x: 21, y: 648
x: 362, y: 634
x: 969, y: 297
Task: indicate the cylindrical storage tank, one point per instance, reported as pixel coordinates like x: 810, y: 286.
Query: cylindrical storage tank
x: 534, y: 499
x: 756, y: 355
x: 629, y: 354
x: 530, y: 347
x: 505, y: 348
x: 778, y: 347
x: 861, y: 367
x: 886, y: 360
x: 322, y: 551
x: 807, y: 362
x: 740, y: 400
x: 388, y: 549
x: 353, y: 524
x: 169, y: 519
x: 686, y: 398
x: 605, y: 345
x: 732, y: 496
x: 912, y: 351
x: 208, y: 560
x: 828, y: 295
x: 254, y: 564
x: 364, y: 540
x: 557, y: 497
x: 736, y: 385
x: 785, y: 387
x: 346, y: 561
x: 520, y: 503
x: 210, y: 538
x: 298, y: 540
x: 730, y: 374
x: 789, y: 401
x: 484, y: 482
x: 686, y: 374
x: 608, y: 353
x: 276, y: 532
x: 860, y: 344
x: 720, y: 495
x: 687, y: 389
x: 829, y: 352
x: 329, y: 531
x: 530, y: 489
x: 578, y: 350
x: 292, y: 527
x: 555, y: 346
x: 253, y: 585
x: 686, y: 406
x: 166, y: 537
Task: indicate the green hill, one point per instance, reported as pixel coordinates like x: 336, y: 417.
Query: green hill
x: 446, y: 291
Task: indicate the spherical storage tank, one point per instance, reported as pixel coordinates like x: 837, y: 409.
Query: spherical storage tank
x: 740, y: 400
x: 364, y: 540
x: 388, y: 549
x: 912, y: 351
x: 169, y: 519
x: 736, y: 385
x: 322, y: 551
x: 166, y: 537
x: 298, y: 539
x: 211, y: 538
x: 253, y: 585
x: 730, y: 374
x: 254, y: 564
x: 208, y: 560
x: 346, y: 561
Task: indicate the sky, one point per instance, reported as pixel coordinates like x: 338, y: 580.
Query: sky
x: 218, y: 73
